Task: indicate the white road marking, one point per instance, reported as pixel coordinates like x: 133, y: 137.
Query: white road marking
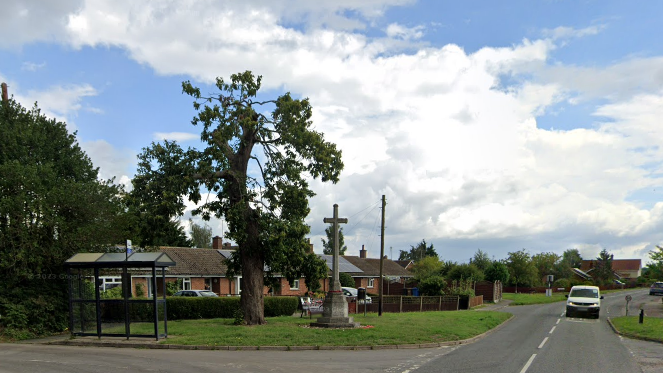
x: 562, y: 314
x: 529, y: 362
x: 558, y: 320
x: 552, y: 330
x: 544, y: 342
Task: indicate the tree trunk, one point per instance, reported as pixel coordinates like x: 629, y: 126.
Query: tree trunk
x: 253, y: 282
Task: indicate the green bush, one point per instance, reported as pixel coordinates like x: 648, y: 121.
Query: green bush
x: 346, y: 280
x: 432, y: 286
x: 562, y: 283
x: 280, y: 306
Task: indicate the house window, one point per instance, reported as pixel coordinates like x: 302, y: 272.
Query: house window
x: 186, y: 283
x: 371, y: 282
x: 107, y: 283
x: 294, y: 285
x: 208, y: 284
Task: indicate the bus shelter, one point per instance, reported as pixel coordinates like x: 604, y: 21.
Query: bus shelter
x: 97, y: 308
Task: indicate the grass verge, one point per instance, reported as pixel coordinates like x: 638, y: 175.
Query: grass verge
x: 650, y: 329
x: 389, y: 329
x: 523, y: 299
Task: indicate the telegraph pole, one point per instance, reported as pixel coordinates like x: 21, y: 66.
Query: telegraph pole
x: 384, y: 203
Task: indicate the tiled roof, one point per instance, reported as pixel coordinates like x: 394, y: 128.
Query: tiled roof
x: 371, y: 267
x: 617, y: 264
x: 196, y: 262
x: 403, y: 263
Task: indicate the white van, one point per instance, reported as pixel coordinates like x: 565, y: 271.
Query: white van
x: 584, y: 300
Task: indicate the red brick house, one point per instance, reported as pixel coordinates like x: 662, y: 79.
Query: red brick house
x: 624, y: 269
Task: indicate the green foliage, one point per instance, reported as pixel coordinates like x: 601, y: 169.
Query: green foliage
x: 313, y: 270
x: 497, y: 271
x: 562, y: 283
x: 266, y: 209
x: 114, y: 293
x: 173, y: 287
x: 238, y: 317
x: 463, y: 288
x: 655, y: 267
x: 280, y: 306
x: 427, y: 267
x: 522, y: 271
x: 602, y: 273
x: 418, y: 252
x: 201, y: 236
x: 570, y: 259
x: 481, y: 260
x: 546, y: 264
x: 140, y: 290
x: 52, y: 206
x: 346, y: 280
x: 432, y: 286
x: 328, y: 245
x: 465, y: 272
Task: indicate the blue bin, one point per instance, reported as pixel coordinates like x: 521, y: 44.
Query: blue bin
x: 415, y: 292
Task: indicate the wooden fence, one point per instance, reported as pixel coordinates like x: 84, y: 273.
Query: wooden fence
x: 398, y: 303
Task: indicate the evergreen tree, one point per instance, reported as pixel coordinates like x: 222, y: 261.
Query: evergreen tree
x: 328, y: 245
x: 418, y: 252
x: 52, y: 206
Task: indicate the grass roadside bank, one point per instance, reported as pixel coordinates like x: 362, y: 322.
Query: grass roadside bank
x: 651, y: 329
x: 524, y: 299
x: 389, y: 329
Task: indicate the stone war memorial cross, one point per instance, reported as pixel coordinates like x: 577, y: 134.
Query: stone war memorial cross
x: 335, y: 312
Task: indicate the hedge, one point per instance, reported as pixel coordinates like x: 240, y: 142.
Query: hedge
x: 188, y: 308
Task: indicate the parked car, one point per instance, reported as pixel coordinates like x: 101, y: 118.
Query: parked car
x: 584, y: 300
x: 353, y: 292
x: 656, y: 288
x: 195, y: 293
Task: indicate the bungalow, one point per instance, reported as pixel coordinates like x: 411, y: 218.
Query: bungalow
x: 624, y: 269
x: 369, y: 271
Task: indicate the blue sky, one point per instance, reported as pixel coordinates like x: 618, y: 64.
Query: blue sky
x: 487, y: 125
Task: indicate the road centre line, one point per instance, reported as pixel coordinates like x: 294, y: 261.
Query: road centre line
x: 544, y: 342
x: 558, y: 320
x: 552, y: 330
x: 529, y: 362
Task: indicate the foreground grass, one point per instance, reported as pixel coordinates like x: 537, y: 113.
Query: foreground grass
x: 523, y: 299
x: 389, y: 329
x: 651, y: 328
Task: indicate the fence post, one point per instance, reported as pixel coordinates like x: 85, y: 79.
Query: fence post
x: 439, y: 308
x: 421, y: 304
x: 400, y: 305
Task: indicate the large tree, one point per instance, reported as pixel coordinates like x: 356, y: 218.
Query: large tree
x: 481, y: 260
x: 201, y: 236
x: 522, y: 271
x: 418, y: 252
x: 546, y: 264
x: 602, y: 273
x: 570, y: 259
x: 258, y: 164
x: 51, y: 206
x: 328, y: 245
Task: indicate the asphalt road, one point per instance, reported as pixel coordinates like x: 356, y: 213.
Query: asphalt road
x: 538, y: 339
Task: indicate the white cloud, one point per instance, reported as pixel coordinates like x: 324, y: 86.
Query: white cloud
x: 176, y: 136
x: 31, y: 66
x: 565, y: 32
x: 112, y: 162
x: 395, y: 30
x: 453, y: 145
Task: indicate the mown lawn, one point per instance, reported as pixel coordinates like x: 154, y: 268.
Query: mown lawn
x: 651, y: 327
x: 523, y: 299
x: 389, y: 329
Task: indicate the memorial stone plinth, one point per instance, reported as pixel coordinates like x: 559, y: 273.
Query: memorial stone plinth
x: 335, y: 306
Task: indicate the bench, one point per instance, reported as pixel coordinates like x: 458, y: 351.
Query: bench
x: 309, y: 306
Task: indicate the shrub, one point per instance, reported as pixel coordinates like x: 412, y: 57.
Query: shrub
x: 346, y: 280
x: 562, y: 283
x: 140, y: 290
x: 462, y: 288
x: 280, y: 306
x: 432, y: 286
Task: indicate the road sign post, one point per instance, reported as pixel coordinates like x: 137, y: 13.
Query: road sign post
x: 628, y: 299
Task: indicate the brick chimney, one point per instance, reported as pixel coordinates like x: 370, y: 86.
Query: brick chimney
x: 362, y: 252
x: 217, y: 243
